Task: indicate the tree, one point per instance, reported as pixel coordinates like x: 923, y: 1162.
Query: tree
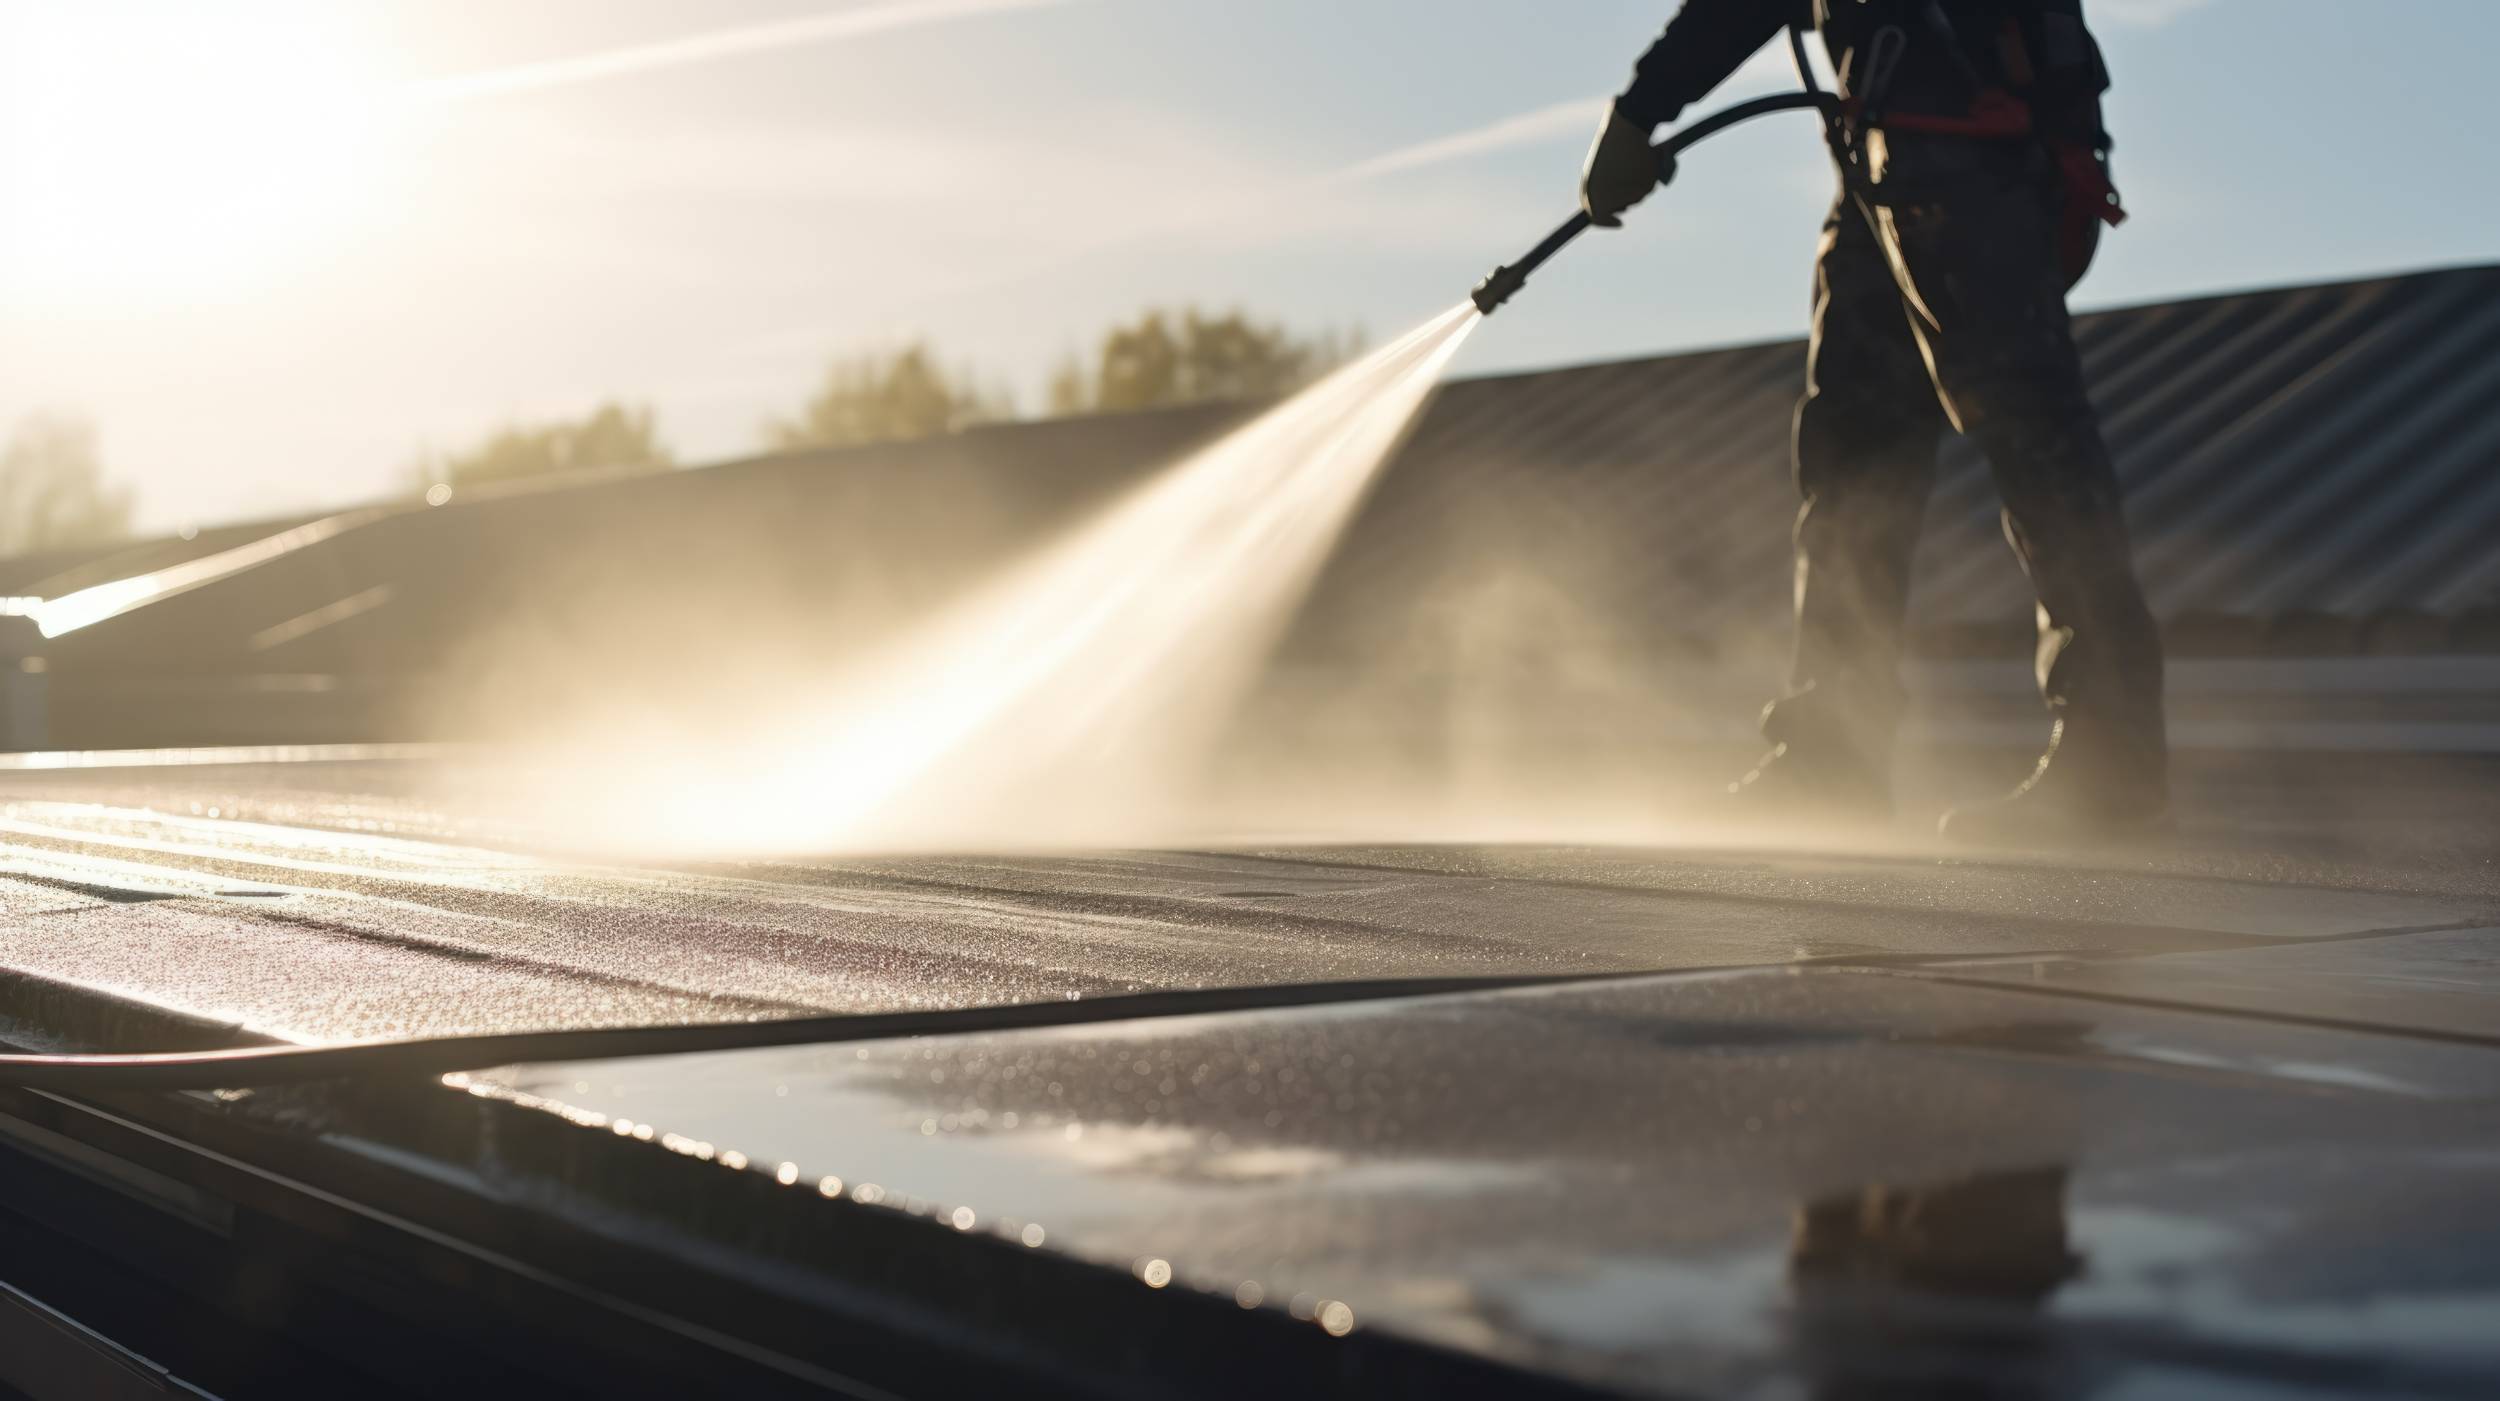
x: 1071, y: 388
x: 1164, y: 358
x: 52, y: 489
x: 884, y: 396
x: 612, y: 435
x: 1160, y: 359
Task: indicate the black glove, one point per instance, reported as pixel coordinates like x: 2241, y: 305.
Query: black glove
x: 1621, y: 170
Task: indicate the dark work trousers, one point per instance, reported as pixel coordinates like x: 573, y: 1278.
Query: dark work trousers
x: 1949, y: 309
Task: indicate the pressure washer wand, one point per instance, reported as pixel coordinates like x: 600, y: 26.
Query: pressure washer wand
x: 1504, y: 282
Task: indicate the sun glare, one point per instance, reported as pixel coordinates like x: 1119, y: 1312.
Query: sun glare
x: 155, y: 149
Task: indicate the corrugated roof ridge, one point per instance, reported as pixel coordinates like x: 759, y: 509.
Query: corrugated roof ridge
x: 2444, y: 439
x: 2252, y: 501
x: 2260, y: 418
x: 2200, y: 301
x: 2452, y: 523
x: 2242, y: 373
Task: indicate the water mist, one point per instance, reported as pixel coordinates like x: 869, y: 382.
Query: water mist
x: 1072, y: 698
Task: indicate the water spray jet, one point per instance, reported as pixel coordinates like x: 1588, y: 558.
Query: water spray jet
x: 1075, y: 696
x: 1074, y: 699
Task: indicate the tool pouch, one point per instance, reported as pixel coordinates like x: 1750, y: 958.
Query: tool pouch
x: 2091, y: 201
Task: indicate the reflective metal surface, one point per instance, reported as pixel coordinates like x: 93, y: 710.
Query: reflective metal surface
x: 1761, y: 1183
x: 2214, y: 1117
x: 339, y: 900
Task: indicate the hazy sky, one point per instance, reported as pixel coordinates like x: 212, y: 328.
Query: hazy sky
x: 275, y: 248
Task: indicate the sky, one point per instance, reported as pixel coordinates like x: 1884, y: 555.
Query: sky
x: 277, y: 249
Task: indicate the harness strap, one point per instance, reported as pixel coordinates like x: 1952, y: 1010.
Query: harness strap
x: 1995, y: 115
x: 1998, y: 115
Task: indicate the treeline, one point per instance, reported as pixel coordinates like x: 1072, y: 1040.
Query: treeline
x: 53, y: 493
x: 1162, y: 359
x: 611, y: 436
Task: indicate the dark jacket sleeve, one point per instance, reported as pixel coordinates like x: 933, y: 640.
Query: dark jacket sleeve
x: 1705, y: 42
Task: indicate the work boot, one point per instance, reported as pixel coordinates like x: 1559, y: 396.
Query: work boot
x: 2080, y: 793
x: 1817, y: 785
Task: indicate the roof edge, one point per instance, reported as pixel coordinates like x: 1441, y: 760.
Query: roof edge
x: 2274, y: 289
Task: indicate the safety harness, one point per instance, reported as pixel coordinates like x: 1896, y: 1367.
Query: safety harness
x: 1996, y: 112
x: 2004, y: 110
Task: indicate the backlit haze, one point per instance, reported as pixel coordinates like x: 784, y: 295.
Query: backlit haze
x: 1080, y: 695
x: 274, y: 250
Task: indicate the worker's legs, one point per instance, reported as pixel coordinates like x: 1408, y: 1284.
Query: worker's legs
x: 1866, y: 435
x: 1973, y: 225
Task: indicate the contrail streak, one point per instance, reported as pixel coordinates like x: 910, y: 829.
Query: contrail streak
x: 704, y: 48
x: 1525, y: 129
x: 1241, y: 207
x: 1769, y: 68
x: 1528, y: 128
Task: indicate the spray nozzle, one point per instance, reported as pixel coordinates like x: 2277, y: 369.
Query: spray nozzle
x: 1499, y: 286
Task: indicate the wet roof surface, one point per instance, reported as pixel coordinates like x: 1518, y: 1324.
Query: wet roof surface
x: 325, y: 902
x: 1697, y: 1185
x: 2112, y: 1125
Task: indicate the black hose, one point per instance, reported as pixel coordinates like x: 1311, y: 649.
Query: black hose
x: 1721, y: 120
x: 292, y: 1064
x: 1504, y: 282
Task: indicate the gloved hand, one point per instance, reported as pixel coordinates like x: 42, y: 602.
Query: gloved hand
x: 1621, y: 170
